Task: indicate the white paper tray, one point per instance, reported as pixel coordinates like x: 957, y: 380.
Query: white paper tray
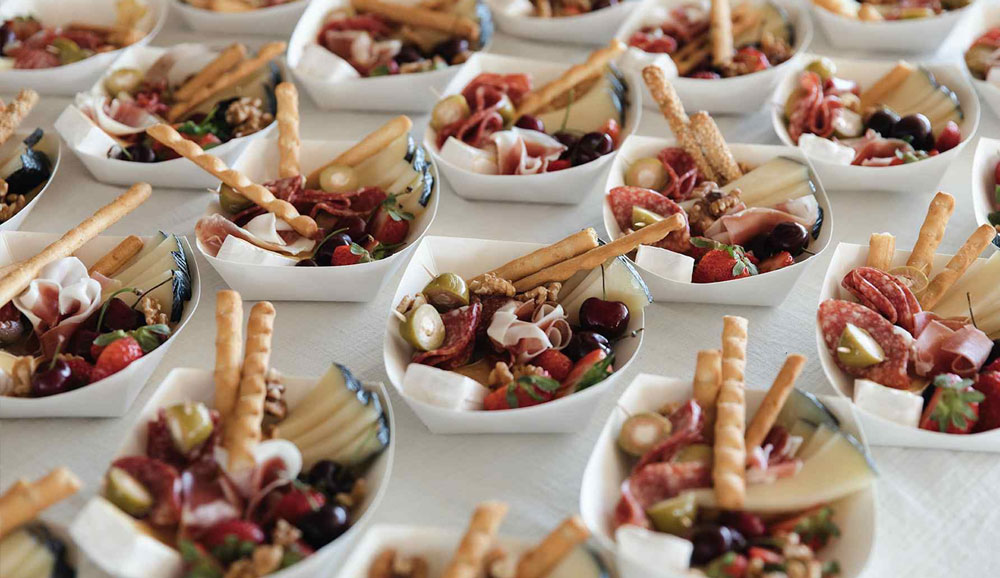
x: 51, y: 147
x: 982, y: 188
x: 880, y: 431
x: 468, y: 258
x: 899, y: 36
x: 113, y: 395
x: 988, y: 16
x: 72, y: 78
x: 593, y: 28
x: 183, y: 384
x: 768, y: 289
x: 568, y: 186
x: 737, y: 95
x: 273, y: 21
x: 607, y: 469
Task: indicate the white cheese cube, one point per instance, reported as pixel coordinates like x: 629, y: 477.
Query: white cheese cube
x: 320, y: 63
x: 666, y: 264
x: 634, y: 60
x: 111, y: 539
x: 643, y: 553
x: 822, y: 149
x: 240, y: 251
x: 895, y: 405
x: 469, y: 157
x: 442, y: 388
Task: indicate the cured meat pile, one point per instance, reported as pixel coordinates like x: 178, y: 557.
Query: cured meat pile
x: 33, y: 46
x: 485, y: 97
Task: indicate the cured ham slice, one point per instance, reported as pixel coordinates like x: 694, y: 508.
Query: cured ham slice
x: 833, y: 317
x: 739, y: 228
x: 485, y: 94
x: 545, y: 328
x: 482, y: 91
x: 943, y: 349
x: 628, y: 511
x: 460, y: 330
x: 662, y: 480
x: 116, y: 116
x: 688, y: 423
x: 682, y: 173
x: 884, y: 294
x: 213, y: 230
x: 525, y: 152
x: 57, y: 301
x: 813, y: 112
x: 805, y: 207
x: 622, y: 199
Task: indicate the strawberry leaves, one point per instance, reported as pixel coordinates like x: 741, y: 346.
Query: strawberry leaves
x: 743, y: 262
x: 957, y: 403
x: 395, y: 210
x: 530, y: 385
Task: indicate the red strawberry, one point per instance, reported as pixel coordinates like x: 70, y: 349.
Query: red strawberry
x: 390, y: 225
x: 297, y: 503
x: 954, y: 405
x: 558, y: 165
x: 729, y: 565
x: 949, y: 138
x: 989, y: 409
x: 79, y: 369
x: 775, y: 262
x: 699, y: 250
x: 526, y: 391
x: 764, y: 555
x: 344, y: 255
x: 242, y: 530
x: 555, y: 363
x: 719, y: 265
x: 116, y: 357
x: 589, y: 370
x: 995, y: 366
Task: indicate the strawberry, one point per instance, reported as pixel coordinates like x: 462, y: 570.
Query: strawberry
x: 230, y: 540
x: 953, y: 407
x: 526, y: 391
x: 390, y: 224
x: 764, y: 555
x: 297, y: 503
x: 116, y: 357
x: 776, y: 261
x: 555, y: 363
x: 79, y: 369
x: 590, y: 369
x: 815, y: 527
x: 989, y: 409
x: 949, y: 138
x: 729, y: 565
x: 994, y: 366
x: 558, y: 165
x: 721, y: 265
x: 347, y: 255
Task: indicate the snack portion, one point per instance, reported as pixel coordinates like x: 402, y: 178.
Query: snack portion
x: 210, y: 97
x: 356, y: 208
x: 559, y: 8
x: 708, y: 40
x: 536, y: 329
x: 380, y: 38
x: 246, y: 487
x: 28, y: 548
x: 879, y: 10
x: 713, y: 490
x: 499, y: 124
x: 24, y: 168
x: 740, y: 221
x: 983, y: 57
x: 921, y: 342
x: 65, y: 327
x: 236, y: 6
x: 904, y: 117
x: 27, y: 43
x: 994, y: 198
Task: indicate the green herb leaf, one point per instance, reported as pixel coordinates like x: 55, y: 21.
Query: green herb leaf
x: 105, y: 339
x: 540, y: 381
x: 199, y: 563
x: 512, y: 395
x: 148, y: 336
x: 596, y: 374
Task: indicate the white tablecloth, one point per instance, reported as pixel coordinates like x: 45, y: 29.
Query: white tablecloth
x: 938, y: 511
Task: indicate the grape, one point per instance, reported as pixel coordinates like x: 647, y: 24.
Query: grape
x: 140, y: 153
x: 583, y: 342
x: 451, y: 49
x: 322, y: 526
x: 882, y: 121
x: 119, y: 315
x: 788, y: 236
x: 591, y: 147
x: 711, y: 541
x: 355, y: 226
x: 609, y: 318
x: 529, y: 122
x: 408, y: 53
x: 747, y: 524
x: 307, y: 263
x: 325, y: 252
x: 331, y: 478
x: 916, y: 129
x: 568, y: 140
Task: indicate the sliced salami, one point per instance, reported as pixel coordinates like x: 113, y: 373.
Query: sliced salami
x: 629, y: 512
x: 660, y: 481
x: 884, y: 294
x: 622, y: 199
x: 833, y: 317
x: 682, y: 172
x: 460, y: 331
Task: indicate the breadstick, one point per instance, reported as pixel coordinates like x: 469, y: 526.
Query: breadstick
x: 382, y: 566
x: 543, y: 8
x: 3, y: 186
x: 244, y: 431
x: 25, y: 500
x: 228, y: 351
x: 14, y: 113
x: 673, y: 110
x: 375, y: 142
x: 720, y: 158
x: 536, y: 100
x: 695, y: 52
x: 113, y: 261
x: 288, y: 130
x: 881, y: 248
x: 450, y: 23
x: 729, y: 451
x: 479, y: 537
x: 707, y: 381
x: 543, y: 558
x: 226, y: 60
x: 597, y: 256
x: 869, y: 13
x: 168, y: 136
x: 576, y: 244
x: 721, y: 32
x: 839, y: 7
x: 931, y: 232
x: 19, y: 277
x: 226, y: 80
x: 956, y: 267
x: 886, y: 84
x: 775, y: 399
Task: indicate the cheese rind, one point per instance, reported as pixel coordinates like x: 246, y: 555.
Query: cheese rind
x: 896, y: 405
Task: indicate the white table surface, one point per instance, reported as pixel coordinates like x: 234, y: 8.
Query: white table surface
x: 938, y: 511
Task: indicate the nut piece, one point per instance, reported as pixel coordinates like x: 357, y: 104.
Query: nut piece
x: 152, y: 311
x: 491, y: 284
x: 285, y: 534
x: 246, y: 115
x: 542, y: 294
x: 500, y: 375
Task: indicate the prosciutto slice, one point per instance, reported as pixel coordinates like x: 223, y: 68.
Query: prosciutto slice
x: 57, y: 301
x: 213, y: 230
x: 460, y: 331
x: 546, y: 327
x: 116, y: 116
x: 525, y: 152
x: 739, y: 228
x: 943, y: 349
x: 485, y: 95
x: 663, y: 480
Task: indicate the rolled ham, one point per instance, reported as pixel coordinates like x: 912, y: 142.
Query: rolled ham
x: 525, y: 152
x: 546, y: 327
x: 740, y: 228
x: 943, y: 349
x: 213, y: 230
x: 57, y: 301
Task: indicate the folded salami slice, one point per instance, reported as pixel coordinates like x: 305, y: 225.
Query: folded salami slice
x: 833, y: 317
x: 682, y: 173
x: 460, y: 331
x: 660, y: 481
x: 622, y: 199
x: 884, y: 294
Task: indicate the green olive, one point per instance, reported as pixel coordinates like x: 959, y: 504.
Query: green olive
x: 644, y: 217
x: 647, y: 173
x: 824, y: 67
x: 447, y: 291
x: 423, y: 328
x: 231, y: 201
x: 123, y: 80
x: 857, y: 348
x: 507, y: 111
x: 189, y: 424
x: 127, y: 493
x: 338, y: 179
x: 642, y: 432
x: 674, y: 515
x: 449, y: 110
x: 695, y: 453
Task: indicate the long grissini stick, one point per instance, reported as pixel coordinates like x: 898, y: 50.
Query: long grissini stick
x: 576, y: 244
x: 227, y: 59
x: 289, y: 142
x: 714, y: 147
x: 541, y: 560
x: 931, y: 232
x: 467, y: 560
x: 265, y: 199
x: 721, y: 31
x: 594, y: 66
x: 228, y: 351
x: 244, y: 429
x: 24, y: 272
x: 25, y: 500
x: 707, y: 382
x: 13, y: 114
x: 881, y: 249
x: 729, y: 451
x: 366, y: 147
x: 775, y: 399
x: 421, y: 17
x: 957, y: 266
x: 673, y: 110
